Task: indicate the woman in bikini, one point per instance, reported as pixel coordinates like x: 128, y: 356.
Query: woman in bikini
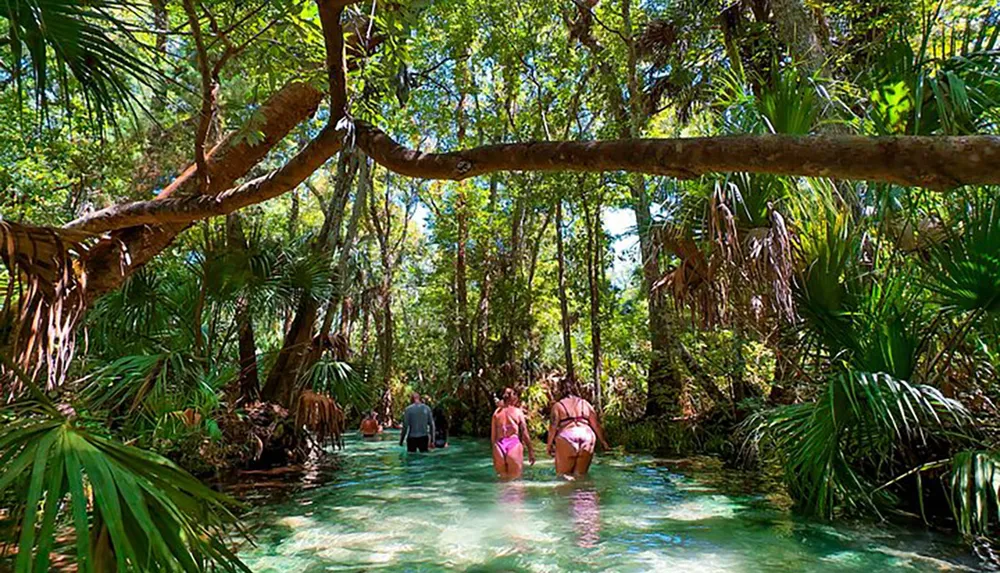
x: 574, y: 432
x: 370, y: 426
x: 506, y: 433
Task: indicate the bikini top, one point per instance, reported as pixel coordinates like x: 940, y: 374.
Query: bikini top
x: 508, y: 425
x: 563, y: 422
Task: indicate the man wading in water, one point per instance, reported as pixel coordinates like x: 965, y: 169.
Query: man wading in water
x: 418, y: 426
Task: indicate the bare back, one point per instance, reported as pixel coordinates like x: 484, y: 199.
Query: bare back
x: 572, y: 410
x: 507, y: 421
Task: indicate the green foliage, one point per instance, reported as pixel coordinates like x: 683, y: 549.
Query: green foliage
x: 964, y: 271
x: 340, y: 381
x: 975, y: 491
x: 938, y: 83
x: 789, y: 103
x: 131, y: 510
x: 859, y: 420
x: 69, y: 38
x: 860, y: 307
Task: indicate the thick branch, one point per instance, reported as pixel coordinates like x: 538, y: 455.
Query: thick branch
x: 181, y: 210
x: 111, y: 260
x: 336, y: 68
x: 932, y: 162
x: 236, y: 154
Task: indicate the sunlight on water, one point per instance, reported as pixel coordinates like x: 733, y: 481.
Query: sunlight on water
x: 386, y: 510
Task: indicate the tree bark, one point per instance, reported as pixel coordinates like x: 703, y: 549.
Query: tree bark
x: 936, y: 162
x: 297, y: 350
x: 663, y: 387
x: 933, y: 162
x: 108, y: 263
x: 563, y: 295
x: 797, y: 30
x: 380, y: 216
x: 592, y: 224
x: 249, y: 381
x: 462, y: 287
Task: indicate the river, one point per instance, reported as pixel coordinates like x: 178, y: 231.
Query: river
x: 385, y: 510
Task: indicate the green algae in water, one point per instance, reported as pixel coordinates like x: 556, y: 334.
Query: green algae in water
x: 386, y: 510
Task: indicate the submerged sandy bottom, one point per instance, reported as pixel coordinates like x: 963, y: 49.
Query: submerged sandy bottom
x: 385, y: 510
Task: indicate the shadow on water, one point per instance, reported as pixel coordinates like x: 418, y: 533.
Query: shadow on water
x: 385, y: 510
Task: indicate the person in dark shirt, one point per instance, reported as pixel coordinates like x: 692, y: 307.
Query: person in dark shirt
x: 418, y: 426
x: 440, y: 427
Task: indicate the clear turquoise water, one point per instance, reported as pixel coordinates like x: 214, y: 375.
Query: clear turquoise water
x: 385, y: 510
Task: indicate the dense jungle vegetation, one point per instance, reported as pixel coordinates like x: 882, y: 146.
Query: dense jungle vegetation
x: 229, y: 228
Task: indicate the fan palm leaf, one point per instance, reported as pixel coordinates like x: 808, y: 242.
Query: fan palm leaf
x: 860, y: 419
x: 128, y: 507
x: 964, y: 272
x: 74, y: 38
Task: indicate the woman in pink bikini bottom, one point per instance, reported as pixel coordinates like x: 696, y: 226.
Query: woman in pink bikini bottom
x: 574, y: 432
x: 507, y: 430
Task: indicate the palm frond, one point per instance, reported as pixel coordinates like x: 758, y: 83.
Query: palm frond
x: 964, y: 272
x: 71, y: 38
x: 789, y: 103
x: 860, y: 420
x: 131, y: 507
x: 43, y: 299
x: 339, y: 380
x: 975, y: 491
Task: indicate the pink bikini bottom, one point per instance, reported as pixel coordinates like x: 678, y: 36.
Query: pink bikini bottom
x: 581, y: 437
x: 505, y: 445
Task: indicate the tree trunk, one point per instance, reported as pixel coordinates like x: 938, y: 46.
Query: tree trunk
x: 380, y: 217
x: 563, y: 298
x: 249, y: 382
x: 282, y: 380
x: 346, y: 171
x: 462, y: 287
x: 592, y: 223
x: 664, y: 386
x: 293, y: 216
x: 297, y: 349
x: 490, y: 262
x: 385, y: 335
x: 161, y: 25
x: 797, y: 31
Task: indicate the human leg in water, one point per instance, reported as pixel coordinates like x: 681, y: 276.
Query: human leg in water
x: 508, y: 458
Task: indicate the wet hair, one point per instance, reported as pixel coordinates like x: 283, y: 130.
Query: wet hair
x: 568, y: 387
x: 509, y: 396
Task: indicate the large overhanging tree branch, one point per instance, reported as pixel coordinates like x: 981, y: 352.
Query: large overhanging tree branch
x: 933, y: 162
x: 112, y: 259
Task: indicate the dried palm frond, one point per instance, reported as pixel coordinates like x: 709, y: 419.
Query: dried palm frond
x: 336, y: 344
x: 43, y: 299
x: 693, y: 282
x: 755, y: 244
x: 320, y: 415
x: 657, y: 40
